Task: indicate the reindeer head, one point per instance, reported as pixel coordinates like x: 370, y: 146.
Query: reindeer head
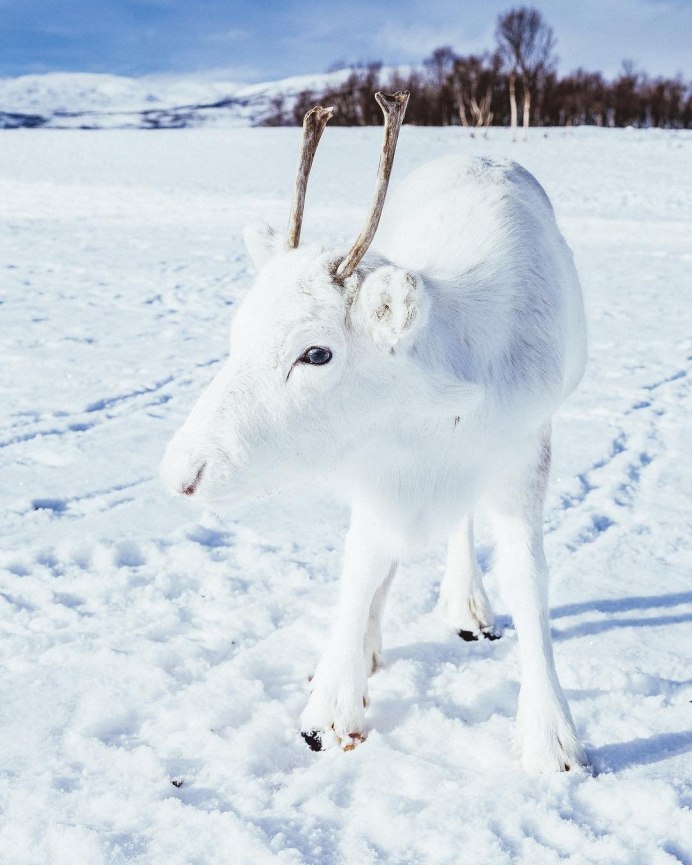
x: 315, y: 352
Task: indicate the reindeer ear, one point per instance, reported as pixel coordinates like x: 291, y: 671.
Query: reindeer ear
x: 391, y: 305
x: 261, y: 242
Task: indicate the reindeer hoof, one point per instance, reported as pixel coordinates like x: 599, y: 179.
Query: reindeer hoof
x: 353, y: 740
x: 473, y: 636
x: 312, y: 739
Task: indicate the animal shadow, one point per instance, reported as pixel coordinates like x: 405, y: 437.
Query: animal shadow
x: 639, y: 752
x: 614, y: 606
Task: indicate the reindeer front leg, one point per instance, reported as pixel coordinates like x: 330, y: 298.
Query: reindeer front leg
x: 545, y: 728
x: 336, y: 708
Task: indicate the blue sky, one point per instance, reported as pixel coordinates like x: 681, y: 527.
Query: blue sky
x: 252, y: 41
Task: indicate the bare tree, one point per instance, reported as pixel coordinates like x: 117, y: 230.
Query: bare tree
x: 439, y: 67
x: 472, y: 90
x: 440, y: 64
x: 481, y: 114
x: 473, y: 79
x: 526, y: 45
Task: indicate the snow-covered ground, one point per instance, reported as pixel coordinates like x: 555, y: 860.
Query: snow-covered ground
x: 154, y: 661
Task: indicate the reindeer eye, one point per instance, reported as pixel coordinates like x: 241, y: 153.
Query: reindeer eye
x: 316, y: 355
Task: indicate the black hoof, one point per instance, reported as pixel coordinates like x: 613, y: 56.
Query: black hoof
x: 472, y: 637
x: 312, y: 739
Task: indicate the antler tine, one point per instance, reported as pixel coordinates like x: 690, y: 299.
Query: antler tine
x: 393, y: 108
x: 313, y: 127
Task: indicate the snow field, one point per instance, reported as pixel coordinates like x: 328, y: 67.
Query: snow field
x: 154, y: 661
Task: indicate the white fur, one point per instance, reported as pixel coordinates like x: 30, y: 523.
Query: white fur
x: 452, y: 346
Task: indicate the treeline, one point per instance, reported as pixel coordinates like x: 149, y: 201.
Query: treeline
x: 517, y: 82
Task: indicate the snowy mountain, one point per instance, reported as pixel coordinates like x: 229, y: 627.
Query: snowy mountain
x: 75, y: 100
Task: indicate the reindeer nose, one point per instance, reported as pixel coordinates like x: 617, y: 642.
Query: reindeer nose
x: 183, y: 467
x: 189, y: 489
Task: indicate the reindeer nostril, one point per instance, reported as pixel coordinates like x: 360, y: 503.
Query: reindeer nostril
x: 191, y: 488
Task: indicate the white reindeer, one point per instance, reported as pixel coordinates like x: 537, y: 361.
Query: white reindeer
x: 420, y: 381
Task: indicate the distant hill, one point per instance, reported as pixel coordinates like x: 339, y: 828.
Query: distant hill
x: 75, y: 100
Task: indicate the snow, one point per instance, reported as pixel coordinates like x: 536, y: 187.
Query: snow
x: 103, y: 101
x: 155, y: 660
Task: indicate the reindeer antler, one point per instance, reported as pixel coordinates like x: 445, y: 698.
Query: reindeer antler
x: 313, y: 127
x: 393, y: 108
